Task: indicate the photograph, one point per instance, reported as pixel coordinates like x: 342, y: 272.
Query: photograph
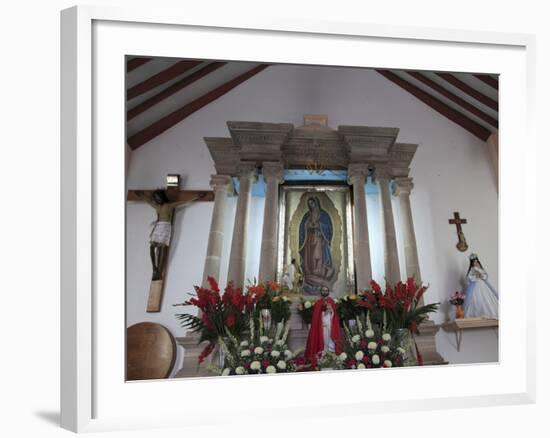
x: 293, y: 218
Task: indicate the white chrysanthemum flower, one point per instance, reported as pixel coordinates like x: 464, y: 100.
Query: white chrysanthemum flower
x: 280, y: 343
x: 245, y: 353
x: 387, y: 363
x: 401, y: 350
x: 258, y: 350
x: 275, y: 353
x: 372, y: 345
x: 239, y: 370
x: 355, y: 338
x: 264, y: 339
x: 281, y: 365
x: 307, y: 304
x: 359, y: 355
x: 369, y: 333
x: 256, y: 365
x: 375, y: 359
x: 386, y: 337
x: 361, y: 366
x: 385, y: 349
x: 343, y: 356
x: 226, y: 372
x: 270, y: 369
x: 288, y: 354
x: 244, y: 344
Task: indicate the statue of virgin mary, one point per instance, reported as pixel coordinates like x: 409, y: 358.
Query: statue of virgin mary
x: 481, y: 297
x: 315, y: 238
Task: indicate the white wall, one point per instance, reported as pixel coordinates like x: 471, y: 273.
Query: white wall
x: 451, y: 171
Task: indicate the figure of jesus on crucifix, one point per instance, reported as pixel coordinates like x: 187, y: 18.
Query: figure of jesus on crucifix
x: 165, y: 202
x: 161, y: 233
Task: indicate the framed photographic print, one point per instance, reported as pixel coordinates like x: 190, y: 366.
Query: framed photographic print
x: 255, y: 206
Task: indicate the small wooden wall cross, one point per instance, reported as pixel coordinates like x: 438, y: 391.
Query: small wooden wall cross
x: 165, y: 202
x: 458, y: 221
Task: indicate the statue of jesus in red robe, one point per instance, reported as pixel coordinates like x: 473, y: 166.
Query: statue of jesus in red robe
x: 325, y: 333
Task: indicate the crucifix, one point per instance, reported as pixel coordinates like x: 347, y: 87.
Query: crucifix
x: 165, y: 202
x: 458, y: 221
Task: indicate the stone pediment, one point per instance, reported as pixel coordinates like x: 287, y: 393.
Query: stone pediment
x: 298, y: 148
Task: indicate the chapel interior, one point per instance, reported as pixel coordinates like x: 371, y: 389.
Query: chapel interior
x: 400, y: 167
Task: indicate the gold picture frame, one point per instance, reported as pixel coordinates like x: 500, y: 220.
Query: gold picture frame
x: 293, y: 206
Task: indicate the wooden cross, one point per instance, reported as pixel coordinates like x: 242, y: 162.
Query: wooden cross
x: 165, y: 202
x: 458, y: 221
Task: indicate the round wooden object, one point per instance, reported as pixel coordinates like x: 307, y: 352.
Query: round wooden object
x: 151, y: 351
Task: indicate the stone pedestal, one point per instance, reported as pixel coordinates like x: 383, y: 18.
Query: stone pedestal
x: 192, y: 350
x: 426, y: 343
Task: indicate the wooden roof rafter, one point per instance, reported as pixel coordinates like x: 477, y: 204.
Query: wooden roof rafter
x: 136, y: 62
x: 170, y: 90
x: 158, y: 127
x: 161, y: 77
x: 450, y: 113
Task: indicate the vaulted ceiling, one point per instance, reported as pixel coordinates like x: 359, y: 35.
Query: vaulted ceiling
x: 161, y: 92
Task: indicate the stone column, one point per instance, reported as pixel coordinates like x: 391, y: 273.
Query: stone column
x: 402, y: 189
x: 357, y: 174
x: 237, y: 257
x: 273, y: 175
x: 222, y: 185
x: 391, y: 259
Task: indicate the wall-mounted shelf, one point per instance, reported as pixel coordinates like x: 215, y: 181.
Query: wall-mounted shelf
x: 459, y: 325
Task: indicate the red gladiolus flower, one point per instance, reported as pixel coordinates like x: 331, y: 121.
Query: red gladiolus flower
x: 230, y: 321
x: 265, y: 363
x: 204, y: 353
x: 375, y: 287
x: 213, y: 284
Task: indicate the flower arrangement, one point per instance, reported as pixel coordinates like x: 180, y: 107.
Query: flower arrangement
x: 305, y: 309
x: 457, y: 298
x: 258, y: 354
x: 348, y: 308
x: 219, y: 315
x: 367, y: 347
x: 269, y: 296
x: 398, y: 306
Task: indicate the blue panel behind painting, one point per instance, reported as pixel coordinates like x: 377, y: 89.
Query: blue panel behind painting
x: 258, y: 188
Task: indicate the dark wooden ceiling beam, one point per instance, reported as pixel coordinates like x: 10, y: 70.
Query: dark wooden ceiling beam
x: 453, y: 115
x: 454, y: 98
x: 489, y: 80
x: 464, y: 87
x: 175, y: 87
x: 134, y: 63
x: 165, y: 123
x: 161, y: 77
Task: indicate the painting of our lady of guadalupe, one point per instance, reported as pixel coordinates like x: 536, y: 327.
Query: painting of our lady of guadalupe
x: 315, y: 241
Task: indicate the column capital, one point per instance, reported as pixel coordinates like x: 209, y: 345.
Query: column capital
x: 247, y: 169
x: 221, y: 183
x: 382, y: 172
x: 273, y: 170
x: 403, y: 186
x: 357, y: 172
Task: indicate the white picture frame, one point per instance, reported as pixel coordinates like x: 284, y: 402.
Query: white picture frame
x: 94, y: 396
